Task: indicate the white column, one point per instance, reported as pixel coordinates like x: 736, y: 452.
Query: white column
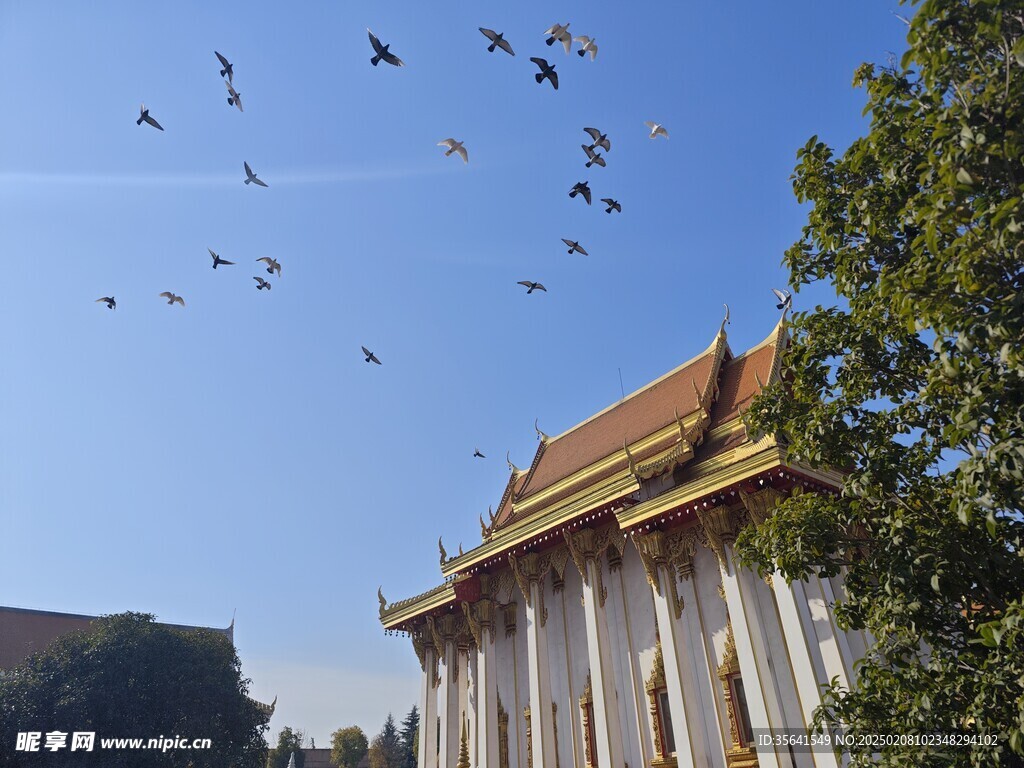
x: 835, y: 647
x: 448, y: 706
x: 689, y: 744
x: 763, y: 705
x: 487, y: 700
x: 607, y: 728
x: 472, y: 705
x: 427, y: 757
x: 541, y: 724
x: 794, y: 617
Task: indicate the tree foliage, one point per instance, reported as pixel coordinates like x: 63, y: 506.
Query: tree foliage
x: 289, y: 740
x: 348, y: 746
x: 387, y: 750
x: 129, y: 677
x: 915, y: 387
x: 408, y: 733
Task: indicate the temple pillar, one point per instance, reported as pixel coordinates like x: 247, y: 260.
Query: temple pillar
x: 446, y: 632
x: 763, y: 705
x: 698, y: 737
x: 813, y: 651
x: 484, y: 691
x: 530, y: 571
x: 427, y: 757
x: 586, y: 547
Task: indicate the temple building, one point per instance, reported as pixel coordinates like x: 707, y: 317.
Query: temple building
x: 604, y: 621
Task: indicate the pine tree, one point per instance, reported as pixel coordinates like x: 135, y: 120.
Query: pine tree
x: 386, y: 750
x: 410, y: 725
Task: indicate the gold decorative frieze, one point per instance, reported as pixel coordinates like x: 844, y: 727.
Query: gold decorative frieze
x: 718, y: 527
x: 655, y: 684
x: 761, y: 504
x: 739, y: 755
x: 509, y: 614
x: 502, y: 735
x: 587, y: 711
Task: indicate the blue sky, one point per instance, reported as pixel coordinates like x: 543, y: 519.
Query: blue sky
x: 237, y: 454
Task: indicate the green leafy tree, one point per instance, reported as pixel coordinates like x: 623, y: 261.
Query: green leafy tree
x: 387, y: 750
x: 407, y: 734
x: 289, y: 740
x: 129, y: 677
x: 348, y: 746
x: 914, y: 387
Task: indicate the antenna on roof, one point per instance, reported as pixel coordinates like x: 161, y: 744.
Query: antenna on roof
x: 622, y: 390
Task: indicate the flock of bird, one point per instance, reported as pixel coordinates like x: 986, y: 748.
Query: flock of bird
x: 382, y: 53
x: 599, y: 141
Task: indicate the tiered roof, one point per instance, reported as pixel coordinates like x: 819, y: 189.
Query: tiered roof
x: 687, y: 422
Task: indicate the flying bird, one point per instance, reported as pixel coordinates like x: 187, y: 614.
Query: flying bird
x: 172, y: 298
x: 560, y: 32
x: 785, y: 299
x: 454, y: 146
x: 272, y: 265
x: 370, y: 357
x: 261, y: 284
x: 144, y: 116
x: 250, y: 177
x: 228, y: 69
x: 477, y: 454
x: 546, y: 70
x: 531, y: 286
x: 217, y: 260
x: 593, y: 158
x: 613, y: 205
x: 109, y: 301
x: 234, y: 97
x: 382, y: 53
x: 497, y: 39
x: 656, y: 130
x: 589, y: 46
x: 575, y: 247
x: 581, y: 188
x: 600, y: 139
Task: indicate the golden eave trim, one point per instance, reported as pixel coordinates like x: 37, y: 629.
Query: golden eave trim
x: 719, y: 473
x: 521, y: 531
x: 398, y: 613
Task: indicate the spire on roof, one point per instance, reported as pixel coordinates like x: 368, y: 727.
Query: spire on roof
x: 512, y: 467
x: 540, y: 435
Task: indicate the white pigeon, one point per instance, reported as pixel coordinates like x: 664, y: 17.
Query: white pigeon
x: 657, y: 129
x: 454, y: 146
x: 560, y: 32
x: 234, y: 97
x: 272, y: 265
x: 172, y: 298
x: 589, y: 46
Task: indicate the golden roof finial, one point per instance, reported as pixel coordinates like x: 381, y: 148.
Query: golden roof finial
x: 440, y: 546
x: 725, y: 321
x: 540, y: 435
x: 629, y: 456
x: 484, y: 530
x: 383, y: 602
x: 508, y: 460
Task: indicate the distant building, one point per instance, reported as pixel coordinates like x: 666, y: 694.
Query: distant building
x: 604, y: 620
x: 24, y: 631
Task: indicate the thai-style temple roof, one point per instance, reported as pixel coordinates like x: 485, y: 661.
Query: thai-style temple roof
x: 648, y: 458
